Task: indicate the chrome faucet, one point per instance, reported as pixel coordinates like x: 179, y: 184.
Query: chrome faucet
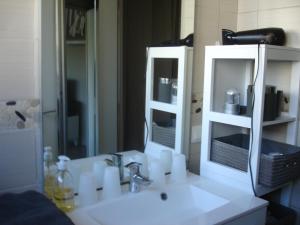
x: 136, y: 179
x: 117, y: 161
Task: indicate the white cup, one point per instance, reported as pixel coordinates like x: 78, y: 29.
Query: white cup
x: 98, y: 170
x: 142, y: 158
x: 111, y: 183
x: 157, y: 174
x: 87, y: 192
x: 178, y: 173
x: 166, y: 160
x: 75, y: 170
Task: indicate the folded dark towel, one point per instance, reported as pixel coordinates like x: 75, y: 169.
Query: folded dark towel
x: 30, y: 208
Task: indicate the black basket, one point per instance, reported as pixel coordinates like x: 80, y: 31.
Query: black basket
x: 163, y: 135
x: 280, y: 162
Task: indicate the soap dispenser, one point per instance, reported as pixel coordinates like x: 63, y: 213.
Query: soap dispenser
x: 49, y: 172
x: 63, y: 194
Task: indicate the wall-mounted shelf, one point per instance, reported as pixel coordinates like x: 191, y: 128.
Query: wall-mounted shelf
x: 236, y: 66
x: 236, y: 120
x: 166, y: 107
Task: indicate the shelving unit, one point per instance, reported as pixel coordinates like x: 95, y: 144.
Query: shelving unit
x: 236, y: 66
x: 166, y: 58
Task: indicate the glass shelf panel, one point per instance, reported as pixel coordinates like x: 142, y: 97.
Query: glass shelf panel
x: 163, y: 128
x: 165, y: 80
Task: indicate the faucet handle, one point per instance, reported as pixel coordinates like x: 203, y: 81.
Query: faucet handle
x: 134, y: 167
x: 116, y: 158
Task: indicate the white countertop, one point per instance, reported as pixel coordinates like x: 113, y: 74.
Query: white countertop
x: 240, y: 204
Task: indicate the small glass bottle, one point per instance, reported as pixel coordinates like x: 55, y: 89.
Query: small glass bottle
x: 63, y: 194
x: 49, y: 172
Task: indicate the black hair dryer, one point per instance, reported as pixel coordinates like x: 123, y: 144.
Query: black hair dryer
x: 270, y: 36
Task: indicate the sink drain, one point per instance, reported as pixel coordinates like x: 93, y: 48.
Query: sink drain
x: 163, y: 196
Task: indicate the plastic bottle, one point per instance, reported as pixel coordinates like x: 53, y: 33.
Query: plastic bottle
x: 49, y: 172
x: 63, y: 194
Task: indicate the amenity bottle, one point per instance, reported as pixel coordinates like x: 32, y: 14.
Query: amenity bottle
x: 63, y: 194
x: 49, y: 172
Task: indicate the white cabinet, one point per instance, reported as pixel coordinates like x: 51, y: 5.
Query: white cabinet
x: 237, y: 66
x: 172, y: 63
x: 20, y: 160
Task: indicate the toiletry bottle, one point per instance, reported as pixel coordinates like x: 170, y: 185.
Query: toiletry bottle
x: 63, y: 194
x: 49, y: 172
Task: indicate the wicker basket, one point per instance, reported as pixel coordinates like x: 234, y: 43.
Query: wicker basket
x: 280, y: 162
x: 163, y: 135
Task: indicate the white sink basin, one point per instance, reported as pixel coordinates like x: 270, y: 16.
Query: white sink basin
x: 147, y: 207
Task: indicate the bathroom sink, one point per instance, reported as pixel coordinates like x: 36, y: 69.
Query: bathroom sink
x: 173, y: 205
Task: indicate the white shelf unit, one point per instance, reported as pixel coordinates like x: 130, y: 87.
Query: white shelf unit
x: 182, y: 108
x: 237, y: 65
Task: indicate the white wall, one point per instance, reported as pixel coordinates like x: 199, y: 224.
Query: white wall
x: 210, y: 17
x: 187, y: 17
x: 18, y: 74
x: 20, y: 79
x: 271, y: 13
x: 274, y: 13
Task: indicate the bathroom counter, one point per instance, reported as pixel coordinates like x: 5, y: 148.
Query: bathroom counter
x: 241, y: 208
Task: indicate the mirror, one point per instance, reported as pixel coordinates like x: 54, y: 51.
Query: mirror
x: 70, y: 111
x: 93, y: 70
x: 78, y: 125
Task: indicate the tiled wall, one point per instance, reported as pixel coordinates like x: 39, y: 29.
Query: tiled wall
x: 19, y: 80
x: 210, y: 17
x: 17, y: 50
x: 271, y: 13
x: 19, y: 115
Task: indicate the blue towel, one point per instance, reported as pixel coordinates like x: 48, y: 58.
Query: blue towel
x: 30, y: 208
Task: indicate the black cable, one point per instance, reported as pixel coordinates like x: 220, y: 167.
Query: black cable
x: 147, y: 134
x: 146, y: 123
x: 251, y: 129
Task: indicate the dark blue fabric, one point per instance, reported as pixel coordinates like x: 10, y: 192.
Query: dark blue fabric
x: 30, y: 208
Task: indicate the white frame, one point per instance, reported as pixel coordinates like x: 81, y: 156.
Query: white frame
x: 183, y: 106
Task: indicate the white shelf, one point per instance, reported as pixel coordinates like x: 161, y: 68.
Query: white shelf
x: 279, y: 120
x: 161, y: 106
x: 246, y: 61
x: 236, y: 120
x: 277, y: 53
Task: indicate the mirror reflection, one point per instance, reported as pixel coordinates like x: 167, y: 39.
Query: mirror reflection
x: 79, y: 74
x: 95, y: 97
